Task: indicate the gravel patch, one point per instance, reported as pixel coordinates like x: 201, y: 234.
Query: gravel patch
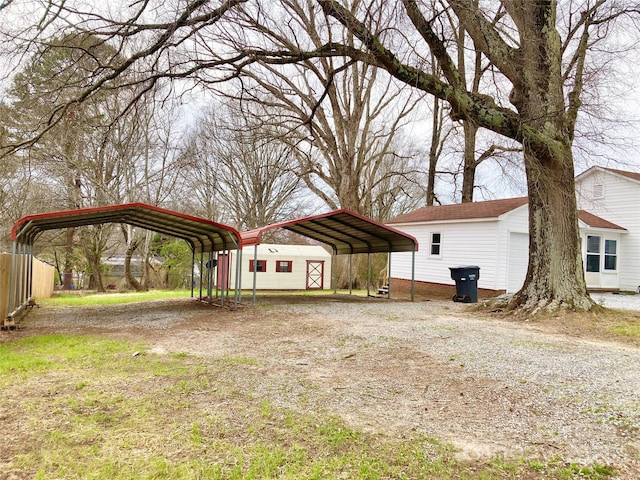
x: 490, y: 387
x: 618, y: 300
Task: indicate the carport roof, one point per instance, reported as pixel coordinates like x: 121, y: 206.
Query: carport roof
x: 345, y: 231
x: 203, y: 235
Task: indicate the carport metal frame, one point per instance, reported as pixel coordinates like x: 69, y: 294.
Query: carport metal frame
x: 202, y: 235
x: 346, y: 232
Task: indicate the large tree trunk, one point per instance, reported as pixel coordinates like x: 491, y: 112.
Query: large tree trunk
x: 470, y: 164
x: 434, y: 149
x: 132, y: 281
x: 95, y: 278
x: 555, y: 276
x: 67, y: 276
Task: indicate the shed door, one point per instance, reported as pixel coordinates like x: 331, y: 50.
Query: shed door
x: 518, y: 261
x: 223, y: 267
x: 315, y: 274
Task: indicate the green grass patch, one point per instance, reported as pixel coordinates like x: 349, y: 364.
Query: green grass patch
x: 94, y: 411
x: 115, y: 298
x: 627, y: 329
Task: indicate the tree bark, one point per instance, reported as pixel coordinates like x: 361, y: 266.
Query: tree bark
x: 67, y: 280
x: 132, y: 282
x: 434, y: 149
x: 469, y: 161
x: 555, y: 276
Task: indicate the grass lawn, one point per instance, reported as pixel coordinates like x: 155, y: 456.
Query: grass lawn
x: 111, y: 298
x: 85, y: 407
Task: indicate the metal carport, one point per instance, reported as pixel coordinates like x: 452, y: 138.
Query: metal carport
x: 346, y: 232
x: 202, y: 235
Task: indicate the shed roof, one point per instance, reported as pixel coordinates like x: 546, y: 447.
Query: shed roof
x: 461, y: 211
x: 203, y: 235
x: 345, y: 231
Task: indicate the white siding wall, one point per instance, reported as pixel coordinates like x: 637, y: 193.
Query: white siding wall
x: 468, y: 243
x: 619, y: 204
x: 272, y: 280
x: 516, y: 221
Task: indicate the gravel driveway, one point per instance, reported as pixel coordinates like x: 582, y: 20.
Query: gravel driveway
x: 489, y: 387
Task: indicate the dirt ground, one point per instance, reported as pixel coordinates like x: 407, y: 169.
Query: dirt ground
x: 489, y: 385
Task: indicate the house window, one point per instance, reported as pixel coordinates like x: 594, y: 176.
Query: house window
x: 260, y: 265
x: 598, y: 190
x: 593, y: 253
x: 436, y: 242
x: 610, y: 255
x: 284, y: 266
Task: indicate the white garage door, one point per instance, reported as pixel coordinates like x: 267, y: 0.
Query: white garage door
x: 518, y: 261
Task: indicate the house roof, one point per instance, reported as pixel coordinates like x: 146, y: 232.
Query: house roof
x: 623, y: 173
x: 594, y: 221
x: 461, y: 211
x: 632, y: 175
x: 345, y: 231
x: 203, y: 235
x: 487, y: 209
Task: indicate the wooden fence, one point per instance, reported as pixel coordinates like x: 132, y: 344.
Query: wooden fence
x: 42, y: 286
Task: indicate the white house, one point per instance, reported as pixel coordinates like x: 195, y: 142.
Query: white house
x: 279, y: 267
x: 614, y: 195
x: 494, y: 236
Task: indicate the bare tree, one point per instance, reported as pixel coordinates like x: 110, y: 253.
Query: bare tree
x: 250, y: 178
x: 540, y: 66
x: 527, y: 51
x: 342, y: 119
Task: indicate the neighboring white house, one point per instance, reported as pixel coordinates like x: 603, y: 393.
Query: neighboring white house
x: 494, y: 235
x: 279, y: 267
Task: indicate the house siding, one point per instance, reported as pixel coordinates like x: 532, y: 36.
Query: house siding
x: 619, y: 204
x: 462, y: 243
x: 515, y: 221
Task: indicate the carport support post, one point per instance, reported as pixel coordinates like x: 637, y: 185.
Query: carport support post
x: 209, y: 278
x: 368, y: 273
x: 255, y: 261
x: 334, y: 261
x: 193, y: 269
x: 201, y: 270
x: 413, y: 273
x: 12, y: 279
x: 217, y: 273
x: 21, y: 276
x: 238, y: 294
x: 350, y: 275
x: 389, y: 277
x: 30, y: 272
x: 224, y: 290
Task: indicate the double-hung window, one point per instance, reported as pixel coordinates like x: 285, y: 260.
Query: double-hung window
x: 284, y: 266
x: 597, y: 258
x: 436, y: 244
x: 610, y: 255
x: 593, y: 253
x: 257, y: 265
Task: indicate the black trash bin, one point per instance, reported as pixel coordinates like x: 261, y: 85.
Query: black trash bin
x: 466, y: 283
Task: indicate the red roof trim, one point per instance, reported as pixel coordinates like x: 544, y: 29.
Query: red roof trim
x: 124, y: 209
